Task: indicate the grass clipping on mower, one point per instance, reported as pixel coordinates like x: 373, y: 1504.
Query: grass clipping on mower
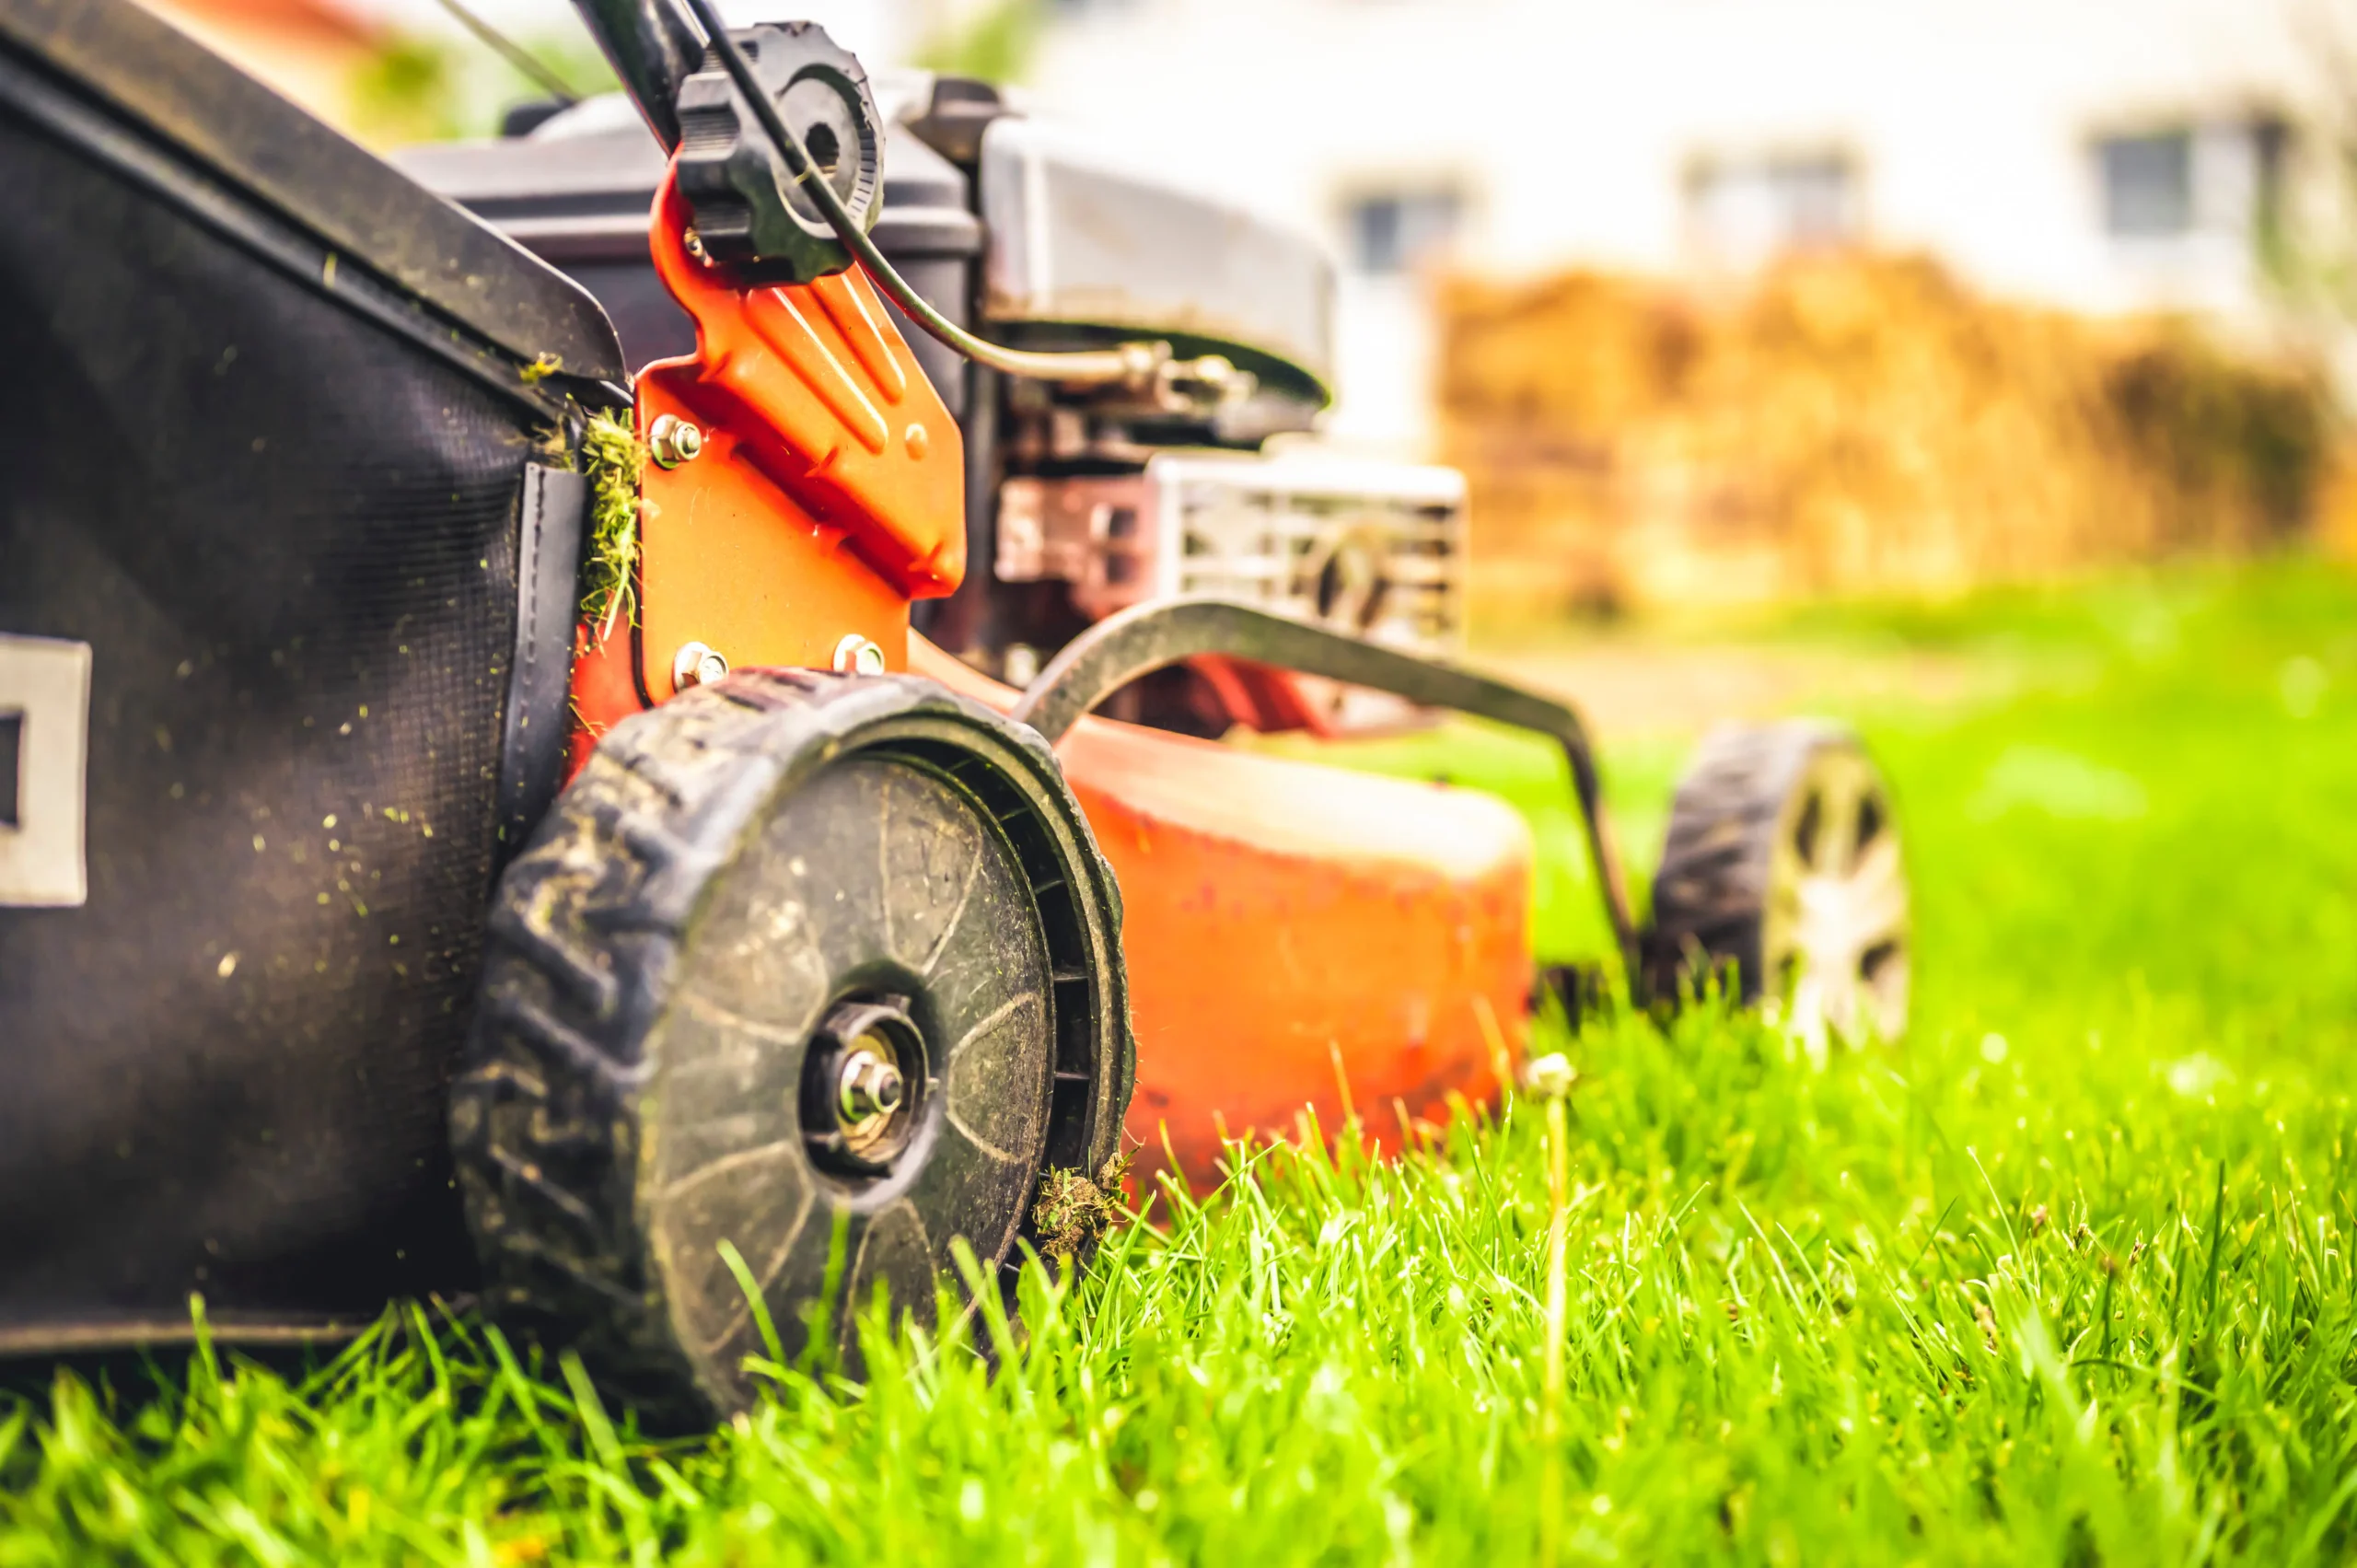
x: 615, y: 459
x: 1076, y: 1210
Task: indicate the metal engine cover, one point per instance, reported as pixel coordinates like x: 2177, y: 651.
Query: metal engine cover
x: 1079, y: 242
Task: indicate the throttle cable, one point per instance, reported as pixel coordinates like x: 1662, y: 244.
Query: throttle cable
x: 1132, y: 364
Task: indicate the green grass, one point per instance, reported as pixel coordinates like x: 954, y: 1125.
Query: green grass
x: 2068, y: 1279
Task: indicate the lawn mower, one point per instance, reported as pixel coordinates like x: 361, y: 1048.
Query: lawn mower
x: 620, y: 826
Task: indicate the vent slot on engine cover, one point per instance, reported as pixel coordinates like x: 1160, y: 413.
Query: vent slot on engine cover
x: 1372, y: 548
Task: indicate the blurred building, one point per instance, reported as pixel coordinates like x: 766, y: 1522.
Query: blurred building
x: 311, y: 51
x: 2104, y: 155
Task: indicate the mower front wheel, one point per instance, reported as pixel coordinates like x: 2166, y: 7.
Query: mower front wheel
x: 823, y: 970
x: 1782, y: 872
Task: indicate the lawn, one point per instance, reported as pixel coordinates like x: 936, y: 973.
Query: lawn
x: 2065, y: 1278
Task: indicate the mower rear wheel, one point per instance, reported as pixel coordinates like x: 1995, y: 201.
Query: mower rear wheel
x: 826, y: 968
x: 1783, y: 863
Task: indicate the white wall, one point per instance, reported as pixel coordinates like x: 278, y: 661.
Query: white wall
x: 883, y: 28
x: 1571, y: 124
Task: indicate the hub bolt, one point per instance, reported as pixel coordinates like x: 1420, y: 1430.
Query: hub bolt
x: 867, y: 1086
x: 864, y: 1086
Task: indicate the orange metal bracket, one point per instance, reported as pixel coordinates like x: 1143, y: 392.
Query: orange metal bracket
x: 829, y: 492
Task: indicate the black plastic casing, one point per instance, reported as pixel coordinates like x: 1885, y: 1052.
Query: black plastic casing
x: 288, y: 485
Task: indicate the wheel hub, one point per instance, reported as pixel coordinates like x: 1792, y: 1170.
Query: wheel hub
x: 862, y: 1078
x: 1837, y: 927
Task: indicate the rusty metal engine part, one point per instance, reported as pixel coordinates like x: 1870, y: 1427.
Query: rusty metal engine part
x: 1373, y: 549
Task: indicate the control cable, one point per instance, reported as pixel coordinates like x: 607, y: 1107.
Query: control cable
x: 523, y: 59
x: 1136, y: 363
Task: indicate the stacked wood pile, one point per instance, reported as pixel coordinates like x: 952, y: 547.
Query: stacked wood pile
x: 1851, y: 423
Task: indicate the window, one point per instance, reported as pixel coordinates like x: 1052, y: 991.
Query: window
x: 2147, y: 184
x: 2216, y: 177
x: 1393, y: 232
x: 1747, y: 211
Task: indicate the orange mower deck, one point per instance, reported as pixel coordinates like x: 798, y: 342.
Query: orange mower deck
x: 1296, y: 933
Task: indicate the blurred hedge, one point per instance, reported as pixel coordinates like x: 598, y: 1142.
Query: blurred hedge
x: 1851, y: 423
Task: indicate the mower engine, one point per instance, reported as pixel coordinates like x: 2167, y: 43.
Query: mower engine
x: 1081, y: 501
x: 1376, y: 548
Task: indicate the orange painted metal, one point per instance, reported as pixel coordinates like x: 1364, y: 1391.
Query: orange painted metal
x: 605, y: 689
x: 830, y: 490
x: 1254, y: 695
x: 1296, y: 935
x: 1296, y: 932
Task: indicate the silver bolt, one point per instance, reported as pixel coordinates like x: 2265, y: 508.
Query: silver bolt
x: 671, y: 440
x: 696, y: 665
x: 856, y: 655
x: 868, y: 1085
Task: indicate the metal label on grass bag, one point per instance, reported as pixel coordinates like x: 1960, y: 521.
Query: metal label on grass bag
x: 45, y: 723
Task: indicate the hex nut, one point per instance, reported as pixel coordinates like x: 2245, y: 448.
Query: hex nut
x: 856, y: 655
x: 671, y: 440
x: 696, y: 664
x: 868, y: 1085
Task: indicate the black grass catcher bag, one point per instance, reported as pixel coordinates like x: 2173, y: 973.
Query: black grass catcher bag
x: 314, y: 992
x: 288, y: 557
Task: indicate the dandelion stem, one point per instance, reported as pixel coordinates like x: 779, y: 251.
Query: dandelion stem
x: 1550, y: 1078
